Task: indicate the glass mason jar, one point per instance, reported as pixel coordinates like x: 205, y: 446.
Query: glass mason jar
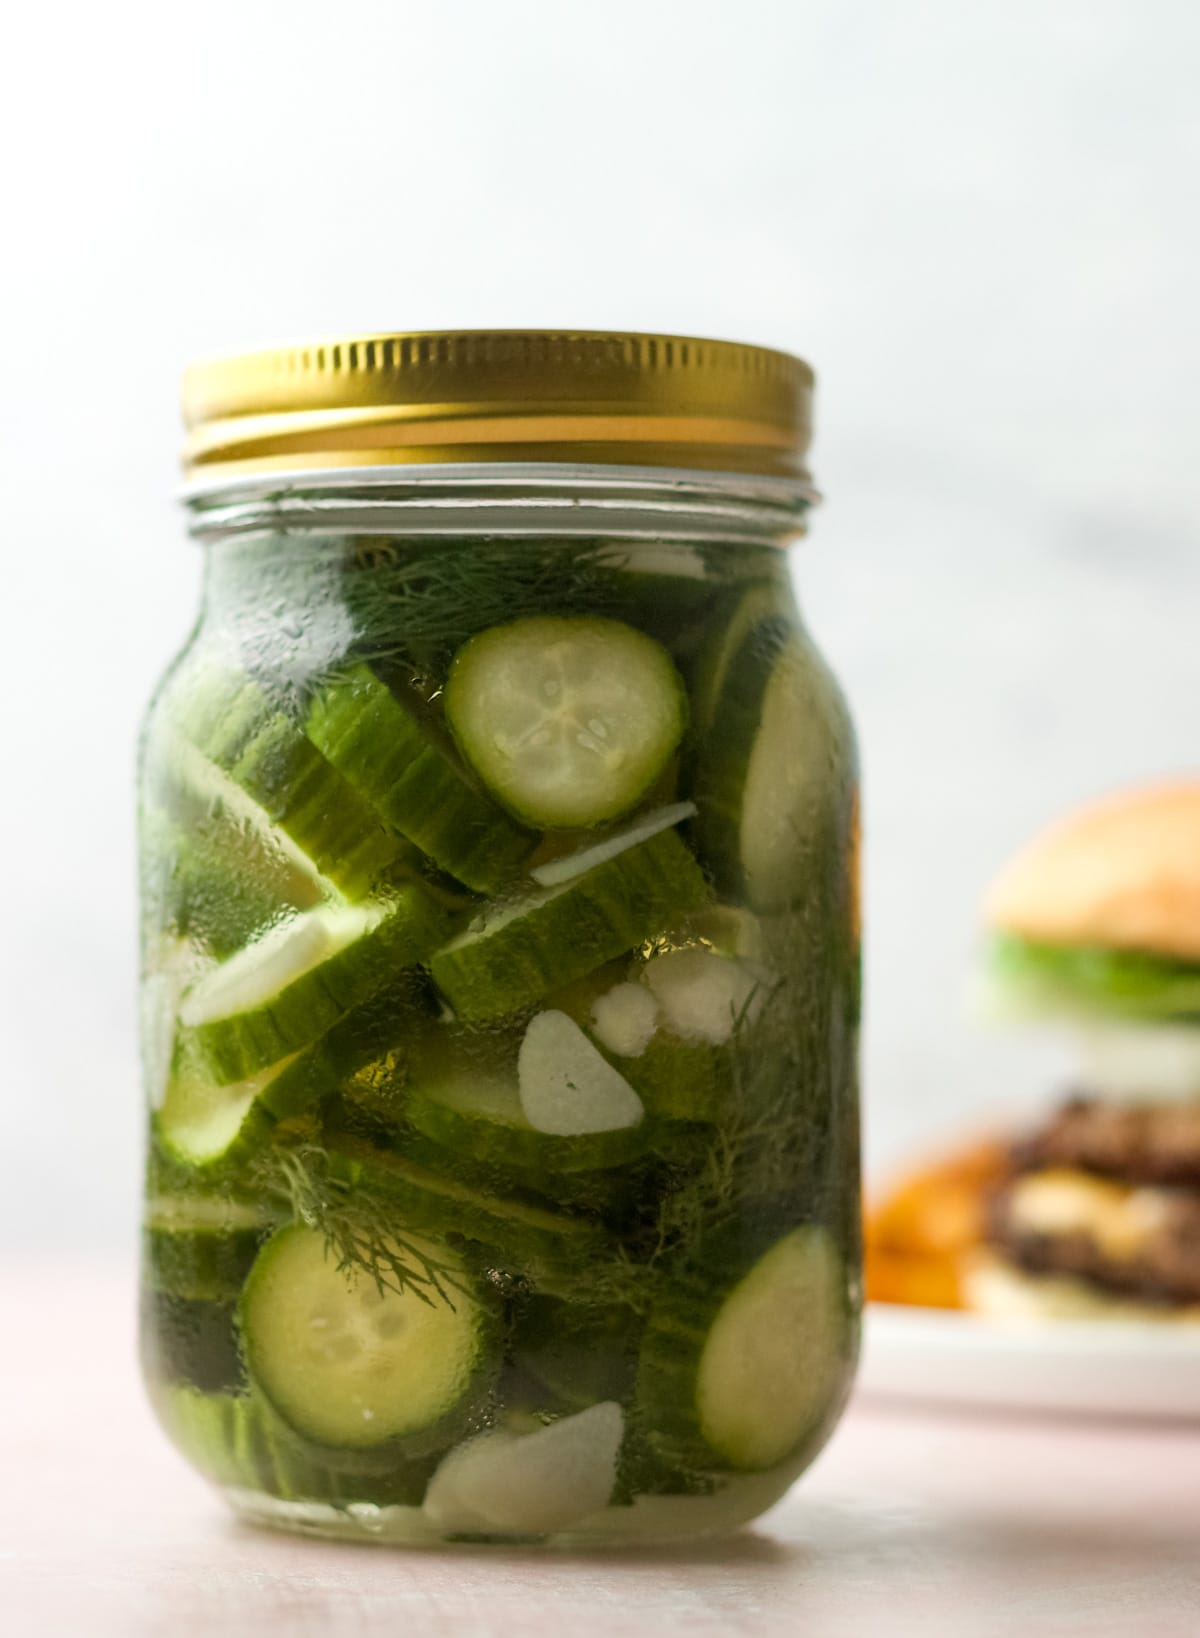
x: 500, y: 947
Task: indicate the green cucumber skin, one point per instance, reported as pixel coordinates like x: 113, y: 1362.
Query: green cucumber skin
x: 677, y: 1080
x: 236, y: 1441
x: 762, y: 633
x: 468, y: 702
x: 230, y: 720
x: 522, y: 1147
x: 507, y: 965
x: 514, y: 1232
x: 232, y: 1049
x: 255, y: 1133
x: 472, y: 1394
x: 674, y: 609
x: 613, y: 1196
x: 587, y: 1192
x: 320, y: 812
x: 202, y: 1264
x: 374, y: 1097
x: 674, y: 1339
x: 194, y: 888
x: 580, y: 1355
x: 355, y: 1074
x: 735, y: 682
x: 416, y: 785
x: 377, y: 1026
x: 168, y: 1176
x: 190, y: 1341
x: 760, y: 609
x: 314, y: 1079
x: 678, y: 1328
x: 681, y: 1080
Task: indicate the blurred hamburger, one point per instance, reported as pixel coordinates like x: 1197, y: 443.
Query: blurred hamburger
x: 1096, y: 925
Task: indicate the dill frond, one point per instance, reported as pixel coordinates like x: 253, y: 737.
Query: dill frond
x: 359, y: 1228
x: 420, y: 605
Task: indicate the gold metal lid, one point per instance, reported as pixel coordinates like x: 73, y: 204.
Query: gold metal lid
x: 500, y: 395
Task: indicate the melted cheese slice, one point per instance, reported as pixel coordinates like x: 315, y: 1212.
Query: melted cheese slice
x: 1117, y: 1218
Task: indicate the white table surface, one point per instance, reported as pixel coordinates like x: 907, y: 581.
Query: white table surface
x: 927, y: 1523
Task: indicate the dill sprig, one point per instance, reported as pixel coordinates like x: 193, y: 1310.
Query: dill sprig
x: 408, y: 605
x: 762, y: 1154
x: 763, y: 1145
x: 422, y: 603
x: 768, y: 1152
x: 358, y: 1227
x: 615, y: 1280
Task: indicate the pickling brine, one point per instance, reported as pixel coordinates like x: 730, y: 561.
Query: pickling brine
x: 500, y: 1007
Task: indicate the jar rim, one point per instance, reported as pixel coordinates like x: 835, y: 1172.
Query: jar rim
x: 582, y: 397
x: 517, y: 499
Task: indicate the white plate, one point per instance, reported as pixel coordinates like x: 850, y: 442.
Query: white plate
x: 1090, y: 1367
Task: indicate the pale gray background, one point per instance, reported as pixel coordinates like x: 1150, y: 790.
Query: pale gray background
x: 979, y: 221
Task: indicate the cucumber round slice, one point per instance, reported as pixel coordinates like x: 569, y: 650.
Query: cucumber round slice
x: 205, y: 804
x: 669, y: 590
x: 416, y: 783
x: 579, y: 1353
x: 741, y: 1360
x: 769, y: 719
x: 682, y: 1080
x: 189, y: 1341
x: 201, y: 1246
x: 520, y: 952
x: 236, y: 1441
x: 212, y: 1126
x: 186, y: 797
x: 474, y: 1111
x: 515, y: 1233
x: 196, y: 888
x: 231, y: 722
x: 169, y: 967
x: 568, y: 721
x: 374, y: 1099
x: 350, y: 1364
x: 209, y: 1125
x: 290, y: 986
x: 613, y: 1192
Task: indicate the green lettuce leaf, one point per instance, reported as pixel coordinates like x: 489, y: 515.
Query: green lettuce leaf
x: 1039, y: 978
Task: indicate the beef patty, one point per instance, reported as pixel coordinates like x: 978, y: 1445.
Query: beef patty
x: 1137, y: 1143
x: 1142, y: 1243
